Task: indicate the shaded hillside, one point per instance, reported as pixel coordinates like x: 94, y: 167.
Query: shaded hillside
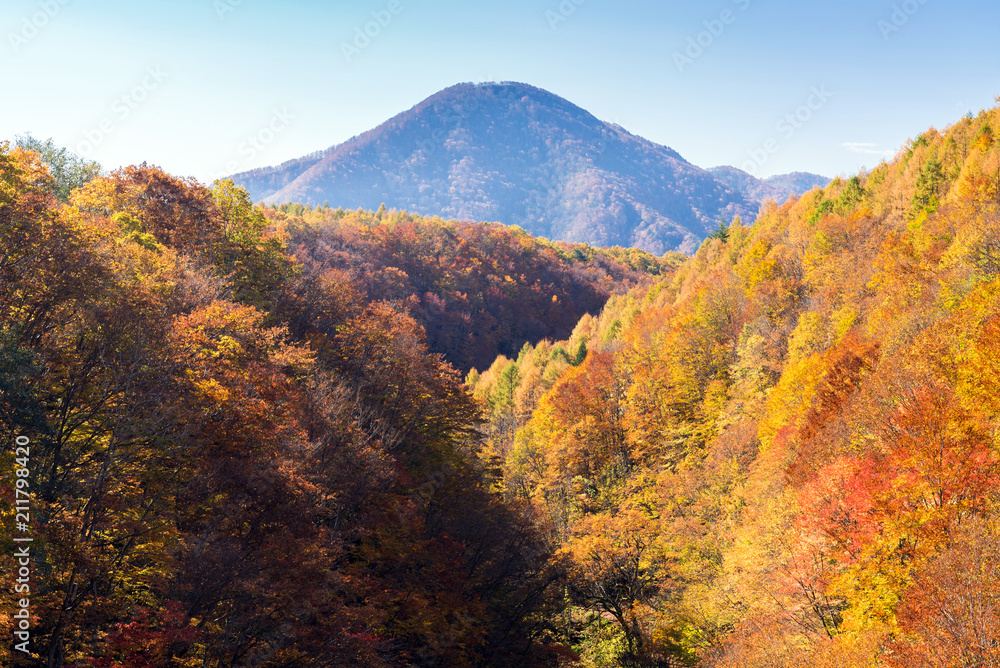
x: 515, y: 154
x: 230, y: 463
x: 477, y: 289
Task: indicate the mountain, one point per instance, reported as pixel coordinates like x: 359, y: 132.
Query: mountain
x: 515, y: 154
x: 777, y: 188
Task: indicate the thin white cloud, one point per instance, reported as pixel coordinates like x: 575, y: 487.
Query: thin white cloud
x: 868, y: 149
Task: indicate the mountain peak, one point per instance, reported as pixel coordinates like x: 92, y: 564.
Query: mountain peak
x: 504, y: 97
x: 504, y: 90
x: 517, y: 154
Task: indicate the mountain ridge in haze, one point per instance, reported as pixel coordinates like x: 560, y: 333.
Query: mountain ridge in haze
x: 777, y: 188
x: 516, y: 154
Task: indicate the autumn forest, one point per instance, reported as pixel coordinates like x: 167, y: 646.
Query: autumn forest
x: 294, y: 436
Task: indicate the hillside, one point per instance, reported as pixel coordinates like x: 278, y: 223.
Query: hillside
x: 515, y: 154
x: 477, y: 289
x: 237, y: 458
x: 785, y: 454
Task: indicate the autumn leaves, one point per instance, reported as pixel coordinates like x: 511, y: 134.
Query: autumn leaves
x: 229, y: 446
x: 782, y: 454
x: 786, y: 453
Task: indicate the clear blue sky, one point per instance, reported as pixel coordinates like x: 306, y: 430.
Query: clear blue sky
x: 199, y: 77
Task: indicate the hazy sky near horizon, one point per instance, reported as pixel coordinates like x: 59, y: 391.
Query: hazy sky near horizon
x: 209, y: 87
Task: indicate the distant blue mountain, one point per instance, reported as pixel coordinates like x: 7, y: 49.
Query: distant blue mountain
x: 776, y: 188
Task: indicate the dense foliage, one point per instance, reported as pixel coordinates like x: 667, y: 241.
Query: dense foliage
x: 250, y: 449
x: 239, y: 459
x: 476, y: 289
x: 785, y: 454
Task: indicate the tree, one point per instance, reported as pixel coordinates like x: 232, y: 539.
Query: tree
x: 928, y: 186
x: 721, y: 232
x: 68, y: 171
x: 502, y: 398
x: 252, y: 260
x: 178, y: 213
x: 951, y: 615
x: 617, y: 570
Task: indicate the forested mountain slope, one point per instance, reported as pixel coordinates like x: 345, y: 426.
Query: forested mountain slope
x: 476, y: 289
x: 785, y: 454
x: 236, y: 458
